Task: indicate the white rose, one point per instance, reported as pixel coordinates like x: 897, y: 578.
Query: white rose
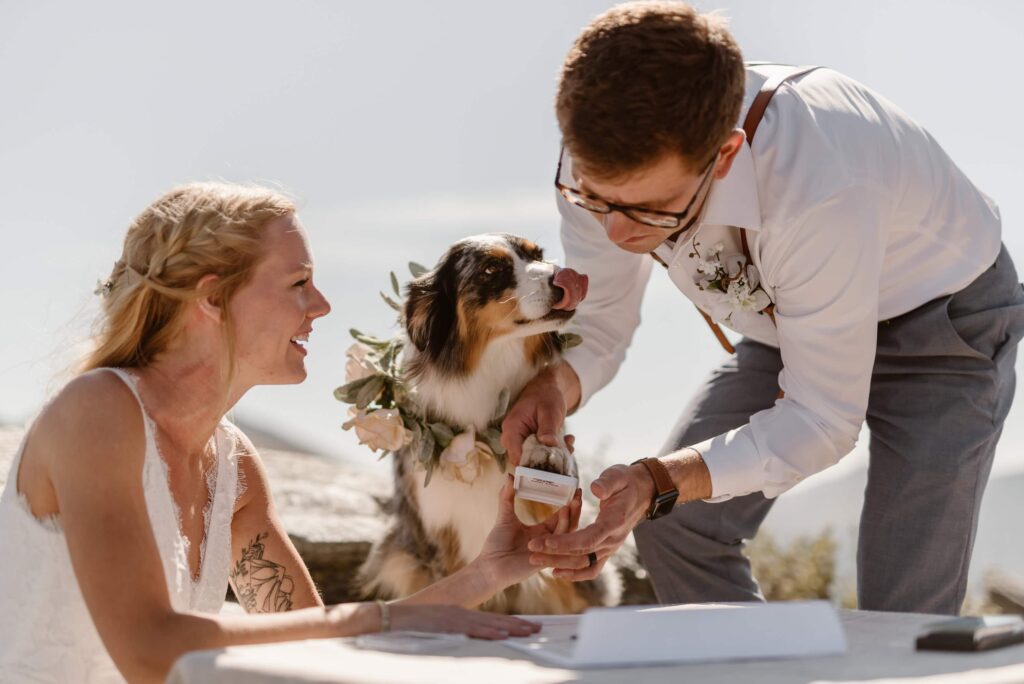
x: 378, y: 429
x: 459, y: 449
x: 483, y: 450
x: 357, y: 365
x: 463, y: 458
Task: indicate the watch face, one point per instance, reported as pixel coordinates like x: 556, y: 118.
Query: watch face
x: 663, y: 504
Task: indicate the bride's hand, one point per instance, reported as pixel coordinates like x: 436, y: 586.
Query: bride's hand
x: 505, y: 558
x: 440, y: 618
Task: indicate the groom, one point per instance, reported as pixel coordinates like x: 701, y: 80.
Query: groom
x: 863, y: 269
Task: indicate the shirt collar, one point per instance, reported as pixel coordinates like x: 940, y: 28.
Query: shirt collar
x: 733, y: 200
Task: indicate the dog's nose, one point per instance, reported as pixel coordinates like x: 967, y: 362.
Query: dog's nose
x: 569, y: 288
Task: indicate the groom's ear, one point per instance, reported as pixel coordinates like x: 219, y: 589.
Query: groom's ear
x: 430, y: 309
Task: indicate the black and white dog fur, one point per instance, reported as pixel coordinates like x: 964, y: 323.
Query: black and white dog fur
x: 483, y: 320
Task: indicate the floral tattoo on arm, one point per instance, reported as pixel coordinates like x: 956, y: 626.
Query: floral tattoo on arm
x: 261, y: 585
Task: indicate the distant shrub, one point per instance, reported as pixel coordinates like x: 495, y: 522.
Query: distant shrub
x: 804, y: 569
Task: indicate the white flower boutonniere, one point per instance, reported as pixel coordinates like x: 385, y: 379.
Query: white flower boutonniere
x: 730, y: 277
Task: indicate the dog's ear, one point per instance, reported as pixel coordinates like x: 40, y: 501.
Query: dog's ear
x: 429, y: 312
x: 419, y: 299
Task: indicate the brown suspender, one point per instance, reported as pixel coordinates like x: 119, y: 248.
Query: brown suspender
x: 750, y: 122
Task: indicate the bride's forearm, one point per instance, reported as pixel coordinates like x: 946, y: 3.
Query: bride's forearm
x: 469, y: 587
x: 184, y: 632
x: 341, y: 620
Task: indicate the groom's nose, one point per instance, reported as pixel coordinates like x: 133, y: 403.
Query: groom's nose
x: 618, y: 226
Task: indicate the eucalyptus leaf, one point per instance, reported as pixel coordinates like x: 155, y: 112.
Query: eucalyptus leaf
x: 416, y: 269
x: 399, y: 393
x: 502, y: 407
x: 427, y: 443
x: 348, y: 392
x: 395, y: 351
x: 430, y: 471
x: 369, y: 391
x: 368, y: 340
x: 414, y: 427
x: 493, y: 438
x: 387, y: 359
x: 442, y: 433
x: 570, y: 340
x: 391, y: 302
x: 394, y: 285
x: 502, y: 461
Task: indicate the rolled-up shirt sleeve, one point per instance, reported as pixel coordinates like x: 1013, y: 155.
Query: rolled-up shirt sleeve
x: 825, y: 270
x: 608, y: 317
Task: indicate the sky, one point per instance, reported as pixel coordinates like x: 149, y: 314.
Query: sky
x: 400, y: 127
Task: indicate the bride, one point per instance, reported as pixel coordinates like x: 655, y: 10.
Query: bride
x: 132, y: 503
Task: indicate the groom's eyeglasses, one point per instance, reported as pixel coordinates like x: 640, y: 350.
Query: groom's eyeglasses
x: 650, y: 217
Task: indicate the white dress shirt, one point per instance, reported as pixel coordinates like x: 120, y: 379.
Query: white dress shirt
x: 854, y: 215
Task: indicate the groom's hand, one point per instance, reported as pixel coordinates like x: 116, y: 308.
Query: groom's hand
x: 540, y: 409
x: 625, y: 494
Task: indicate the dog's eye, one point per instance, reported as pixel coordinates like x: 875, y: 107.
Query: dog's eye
x: 491, y: 270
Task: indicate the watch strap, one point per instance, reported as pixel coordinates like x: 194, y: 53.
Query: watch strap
x: 665, y: 492
x: 663, y: 483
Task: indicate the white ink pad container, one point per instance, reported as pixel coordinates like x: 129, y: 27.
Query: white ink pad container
x: 540, y: 485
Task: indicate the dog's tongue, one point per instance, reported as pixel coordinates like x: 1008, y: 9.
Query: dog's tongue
x: 573, y: 286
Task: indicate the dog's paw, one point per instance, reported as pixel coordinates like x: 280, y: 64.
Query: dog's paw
x: 551, y: 459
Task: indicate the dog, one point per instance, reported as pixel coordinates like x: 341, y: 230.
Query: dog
x: 478, y: 326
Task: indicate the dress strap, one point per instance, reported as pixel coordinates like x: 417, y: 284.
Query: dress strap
x: 128, y: 379
x: 133, y: 384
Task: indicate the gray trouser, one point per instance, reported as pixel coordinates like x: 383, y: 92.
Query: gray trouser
x: 941, y: 387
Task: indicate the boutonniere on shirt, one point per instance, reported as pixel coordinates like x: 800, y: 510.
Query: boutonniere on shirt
x: 730, y: 277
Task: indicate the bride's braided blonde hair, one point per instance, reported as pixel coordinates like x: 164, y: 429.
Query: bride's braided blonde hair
x: 192, y: 231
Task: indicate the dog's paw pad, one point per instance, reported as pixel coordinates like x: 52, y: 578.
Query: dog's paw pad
x: 551, y: 459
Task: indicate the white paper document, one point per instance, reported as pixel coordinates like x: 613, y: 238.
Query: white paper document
x: 692, y: 633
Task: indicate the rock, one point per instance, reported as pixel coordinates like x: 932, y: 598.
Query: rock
x: 1006, y: 592
x: 332, y: 511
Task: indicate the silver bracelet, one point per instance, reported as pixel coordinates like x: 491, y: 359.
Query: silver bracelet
x: 385, y: 615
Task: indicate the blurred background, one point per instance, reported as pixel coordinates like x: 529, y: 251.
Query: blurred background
x: 402, y: 126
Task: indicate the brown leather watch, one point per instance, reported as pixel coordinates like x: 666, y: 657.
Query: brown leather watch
x: 665, y: 492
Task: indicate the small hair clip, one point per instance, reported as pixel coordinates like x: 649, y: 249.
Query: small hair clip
x: 103, y: 287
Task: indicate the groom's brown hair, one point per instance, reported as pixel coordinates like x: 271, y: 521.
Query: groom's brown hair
x: 645, y: 79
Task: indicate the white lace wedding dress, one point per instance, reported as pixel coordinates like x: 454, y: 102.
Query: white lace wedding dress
x: 46, y: 634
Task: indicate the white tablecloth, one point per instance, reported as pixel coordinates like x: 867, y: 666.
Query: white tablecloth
x: 881, y: 649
